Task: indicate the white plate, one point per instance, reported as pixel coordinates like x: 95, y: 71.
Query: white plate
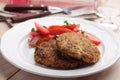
x: 14, y: 47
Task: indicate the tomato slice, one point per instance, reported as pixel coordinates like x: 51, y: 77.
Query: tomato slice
x: 73, y: 27
x: 33, y: 41
x: 41, y: 29
x: 49, y: 37
x: 93, y: 39
x: 34, y: 33
x: 56, y: 26
x: 55, y: 31
x: 39, y: 42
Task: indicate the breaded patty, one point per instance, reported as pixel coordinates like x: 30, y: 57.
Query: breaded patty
x: 78, y: 47
x: 47, y: 54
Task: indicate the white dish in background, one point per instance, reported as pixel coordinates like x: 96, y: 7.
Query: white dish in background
x: 15, y: 49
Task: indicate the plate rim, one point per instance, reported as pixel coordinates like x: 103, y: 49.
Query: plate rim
x: 57, y: 75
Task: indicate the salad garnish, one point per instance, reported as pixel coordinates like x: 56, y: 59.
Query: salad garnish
x: 42, y: 33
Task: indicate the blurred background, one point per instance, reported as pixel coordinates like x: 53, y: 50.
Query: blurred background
x: 58, y: 3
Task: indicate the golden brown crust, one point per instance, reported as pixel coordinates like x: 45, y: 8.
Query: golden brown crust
x: 78, y: 46
x: 48, y: 55
x: 68, y: 51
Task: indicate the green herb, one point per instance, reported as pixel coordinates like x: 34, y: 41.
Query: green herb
x: 33, y: 29
x: 67, y: 23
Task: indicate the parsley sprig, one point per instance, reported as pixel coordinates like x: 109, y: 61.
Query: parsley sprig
x: 67, y: 23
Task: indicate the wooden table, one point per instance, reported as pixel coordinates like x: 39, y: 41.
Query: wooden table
x: 10, y: 72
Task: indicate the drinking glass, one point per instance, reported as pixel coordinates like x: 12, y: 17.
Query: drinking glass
x: 108, y: 10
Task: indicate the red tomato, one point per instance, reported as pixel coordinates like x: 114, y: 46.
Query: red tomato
x: 33, y: 41
x: 34, y: 33
x: 41, y: 29
x: 93, y: 39
x: 73, y: 27
x: 55, y: 31
x: 47, y: 38
x: 39, y: 42
x: 56, y: 26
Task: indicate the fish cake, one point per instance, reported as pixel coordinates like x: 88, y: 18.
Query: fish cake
x: 78, y: 46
